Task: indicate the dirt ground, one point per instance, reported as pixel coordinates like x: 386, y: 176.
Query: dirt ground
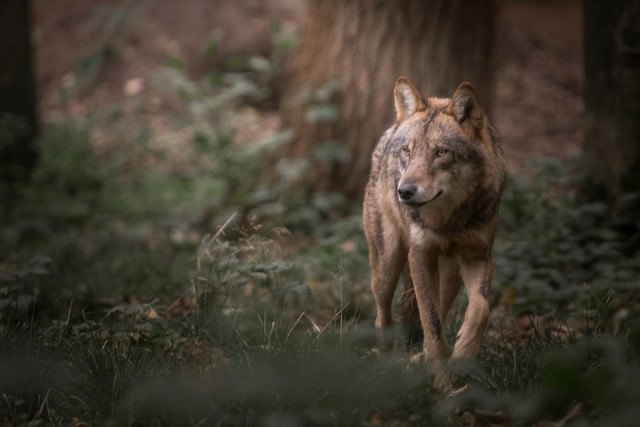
x: 537, y: 105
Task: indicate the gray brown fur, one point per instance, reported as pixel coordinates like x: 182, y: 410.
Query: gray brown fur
x: 430, y: 208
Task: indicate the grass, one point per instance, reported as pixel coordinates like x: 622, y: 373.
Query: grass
x: 162, y: 281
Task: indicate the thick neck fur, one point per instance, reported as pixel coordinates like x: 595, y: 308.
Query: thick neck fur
x: 473, y: 213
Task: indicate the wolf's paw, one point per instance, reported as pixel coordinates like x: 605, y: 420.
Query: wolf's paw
x: 443, y: 383
x: 458, y: 391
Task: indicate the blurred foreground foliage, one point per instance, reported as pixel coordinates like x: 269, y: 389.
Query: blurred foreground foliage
x: 151, y: 274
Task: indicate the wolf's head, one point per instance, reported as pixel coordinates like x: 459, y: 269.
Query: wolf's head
x: 441, y: 145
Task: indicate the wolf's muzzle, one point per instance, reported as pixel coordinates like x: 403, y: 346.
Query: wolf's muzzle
x: 406, y: 191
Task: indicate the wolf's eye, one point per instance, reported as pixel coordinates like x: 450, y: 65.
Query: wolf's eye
x: 405, y: 150
x: 441, y: 152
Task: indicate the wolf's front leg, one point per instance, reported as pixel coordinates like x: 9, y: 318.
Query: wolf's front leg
x: 424, y: 273
x: 476, y: 275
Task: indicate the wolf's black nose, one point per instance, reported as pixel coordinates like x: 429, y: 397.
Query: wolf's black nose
x: 406, y: 191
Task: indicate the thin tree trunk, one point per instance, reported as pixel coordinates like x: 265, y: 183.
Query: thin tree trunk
x: 364, y: 46
x: 612, y: 98
x: 18, y: 112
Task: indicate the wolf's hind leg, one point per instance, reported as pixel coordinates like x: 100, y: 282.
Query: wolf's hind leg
x: 477, y: 277
x: 410, y: 311
x: 386, y: 266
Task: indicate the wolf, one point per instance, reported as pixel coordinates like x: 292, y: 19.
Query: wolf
x: 430, y: 209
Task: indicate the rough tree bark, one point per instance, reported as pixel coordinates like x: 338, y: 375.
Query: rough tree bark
x: 364, y: 45
x: 18, y: 113
x: 612, y: 98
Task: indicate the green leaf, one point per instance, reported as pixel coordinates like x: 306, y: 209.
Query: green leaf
x: 260, y: 64
x: 175, y: 63
x: 331, y: 152
x: 237, y: 62
x: 321, y: 113
x: 212, y: 48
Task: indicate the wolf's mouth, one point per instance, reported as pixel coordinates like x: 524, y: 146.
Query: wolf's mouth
x: 418, y: 204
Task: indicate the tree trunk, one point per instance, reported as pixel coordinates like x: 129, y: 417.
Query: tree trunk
x: 18, y: 116
x: 364, y: 46
x: 612, y: 98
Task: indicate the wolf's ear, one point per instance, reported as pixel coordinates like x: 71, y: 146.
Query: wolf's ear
x: 407, y: 98
x: 465, y: 107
